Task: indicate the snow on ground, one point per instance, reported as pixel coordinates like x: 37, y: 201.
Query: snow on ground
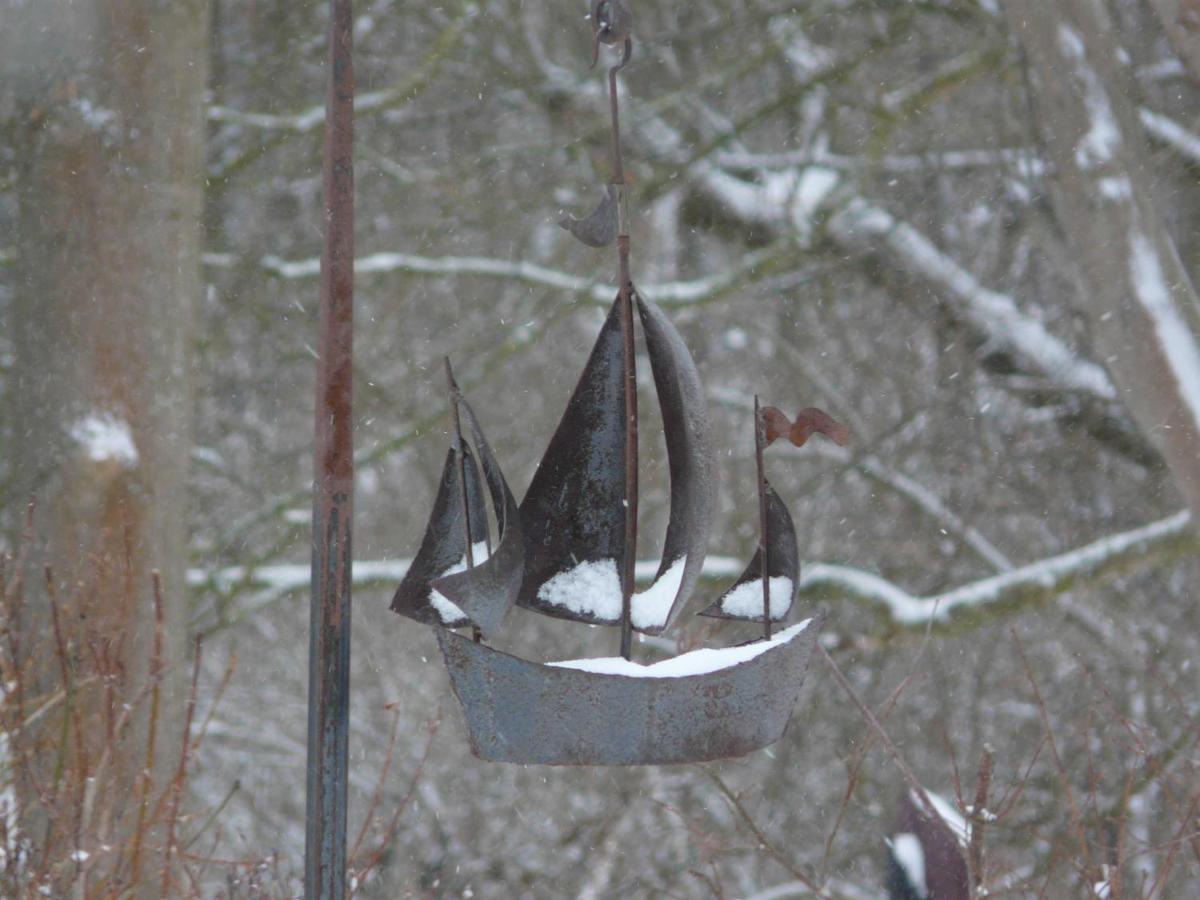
x: 697, y: 662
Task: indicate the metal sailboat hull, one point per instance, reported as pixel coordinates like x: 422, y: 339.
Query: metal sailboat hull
x: 519, y: 711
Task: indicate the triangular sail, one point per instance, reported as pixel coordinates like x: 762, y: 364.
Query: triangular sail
x: 443, y: 549
x: 573, y: 514
x: 689, y: 455
x: 744, y: 600
x: 487, y: 592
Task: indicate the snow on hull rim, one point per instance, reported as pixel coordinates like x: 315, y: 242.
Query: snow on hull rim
x: 652, y: 606
x: 591, y: 589
x: 697, y: 662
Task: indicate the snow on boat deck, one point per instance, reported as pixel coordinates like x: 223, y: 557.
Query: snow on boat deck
x: 697, y: 662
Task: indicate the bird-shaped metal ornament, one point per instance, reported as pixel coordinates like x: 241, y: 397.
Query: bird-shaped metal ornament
x: 599, y: 229
x: 808, y: 422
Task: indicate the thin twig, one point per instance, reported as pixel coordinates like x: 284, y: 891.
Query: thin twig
x: 379, y: 783
x: 763, y: 840
x: 175, y: 789
x: 390, y: 831
x: 146, y: 778
x: 979, y: 820
x: 891, y: 748
x: 1059, y: 768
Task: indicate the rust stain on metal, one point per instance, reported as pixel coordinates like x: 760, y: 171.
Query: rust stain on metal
x: 333, y: 489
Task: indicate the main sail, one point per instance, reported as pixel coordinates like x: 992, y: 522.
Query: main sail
x: 574, y: 512
x: 744, y: 600
x: 689, y: 459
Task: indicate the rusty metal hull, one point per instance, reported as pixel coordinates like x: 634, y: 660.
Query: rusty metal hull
x: 519, y: 711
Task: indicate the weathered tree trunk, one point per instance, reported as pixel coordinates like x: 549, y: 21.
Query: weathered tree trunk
x: 108, y: 99
x: 1140, y: 303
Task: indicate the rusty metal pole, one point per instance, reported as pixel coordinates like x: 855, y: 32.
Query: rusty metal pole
x: 333, y: 488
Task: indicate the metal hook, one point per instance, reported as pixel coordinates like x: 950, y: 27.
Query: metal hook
x: 612, y: 23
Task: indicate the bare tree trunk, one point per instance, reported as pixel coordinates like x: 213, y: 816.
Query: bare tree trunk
x: 1140, y: 303
x: 108, y: 98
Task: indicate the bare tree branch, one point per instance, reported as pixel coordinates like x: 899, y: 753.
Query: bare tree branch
x: 668, y: 293
x: 994, y: 314
x: 1036, y: 582
x: 1094, y: 563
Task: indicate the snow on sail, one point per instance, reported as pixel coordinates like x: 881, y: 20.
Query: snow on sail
x: 744, y: 599
x: 443, y: 549
x: 689, y: 457
x: 441, y: 587
x: 573, y: 514
x: 487, y: 592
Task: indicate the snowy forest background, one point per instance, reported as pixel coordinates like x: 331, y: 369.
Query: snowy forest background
x: 963, y: 228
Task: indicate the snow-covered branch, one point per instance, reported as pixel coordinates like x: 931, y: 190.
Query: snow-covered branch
x: 1090, y: 564
x: 922, y: 497
x: 1171, y: 134
x: 994, y: 314
x: 312, y: 118
x: 789, y: 201
x: 1022, y: 161
x: 667, y: 293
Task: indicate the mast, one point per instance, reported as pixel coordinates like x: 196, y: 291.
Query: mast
x: 462, y: 479
x: 611, y: 22
x: 764, y: 546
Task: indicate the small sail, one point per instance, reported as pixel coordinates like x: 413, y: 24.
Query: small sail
x: 573, y: 514
x: 689, y: 455
x: 487, y: 592
x: 745, y: 599
x: 443, y: 549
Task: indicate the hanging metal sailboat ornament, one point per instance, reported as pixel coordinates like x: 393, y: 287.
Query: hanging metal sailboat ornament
x: 568, y: 552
